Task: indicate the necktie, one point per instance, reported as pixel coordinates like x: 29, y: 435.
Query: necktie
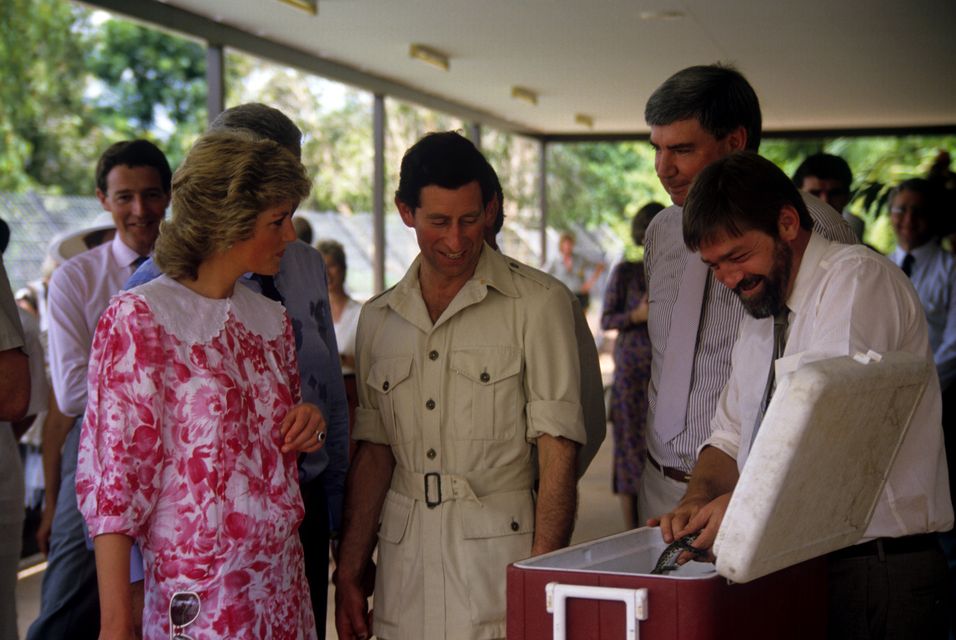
x: 907, y: 265
x: 138, y: 261
x: 780, y: 322
x: 678, y: 366
x: 268, y: 285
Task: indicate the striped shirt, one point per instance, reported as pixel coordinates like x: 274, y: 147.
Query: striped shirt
x: 665, y: 258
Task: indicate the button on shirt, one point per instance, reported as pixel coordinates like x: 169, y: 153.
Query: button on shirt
x: 934, y: 277
x: 80, y: 291
x: 847, y: 299
x: 665, y: 259
x: 505, y: 370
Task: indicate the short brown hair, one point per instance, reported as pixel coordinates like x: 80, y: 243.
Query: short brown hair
x: 132, y: 153
x: 226, y: 181
x: 738, y: 193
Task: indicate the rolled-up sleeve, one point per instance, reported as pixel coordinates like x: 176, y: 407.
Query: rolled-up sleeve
x: 553, y: 376
x: 726, y: 424
x: 368, y: 420
x: 69, y: 341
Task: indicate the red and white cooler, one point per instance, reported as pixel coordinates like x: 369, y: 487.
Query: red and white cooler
x: 809, y: 487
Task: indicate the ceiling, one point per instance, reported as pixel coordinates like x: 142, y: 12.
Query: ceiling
x: 815, y: 64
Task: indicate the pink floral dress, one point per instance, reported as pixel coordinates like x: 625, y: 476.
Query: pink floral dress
x: 180, y: 451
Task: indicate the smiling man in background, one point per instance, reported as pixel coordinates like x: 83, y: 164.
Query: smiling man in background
x: 133, y: 185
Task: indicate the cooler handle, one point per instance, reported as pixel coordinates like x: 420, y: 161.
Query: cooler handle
x: 557, y: 594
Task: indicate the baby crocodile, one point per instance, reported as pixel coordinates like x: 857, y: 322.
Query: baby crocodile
x: 668, y: 560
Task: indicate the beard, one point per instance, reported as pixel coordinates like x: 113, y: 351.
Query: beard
x: 771, y: 299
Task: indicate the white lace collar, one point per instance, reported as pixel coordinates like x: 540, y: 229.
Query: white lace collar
x: 195, y: 319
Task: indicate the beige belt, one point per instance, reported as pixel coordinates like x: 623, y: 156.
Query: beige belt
x: 434, y: 488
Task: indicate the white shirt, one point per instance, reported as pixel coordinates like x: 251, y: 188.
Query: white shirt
x: 934, y: 277
x: 80, y: 291
x: 345, y: 328
x: 847, y: 299
x: 665, y: 259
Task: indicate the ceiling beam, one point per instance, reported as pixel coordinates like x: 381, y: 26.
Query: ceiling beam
x: 794, y: 134
x: 173, y: 18
x: 217, y: 33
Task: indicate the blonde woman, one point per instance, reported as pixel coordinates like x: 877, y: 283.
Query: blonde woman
x: 193, y: 423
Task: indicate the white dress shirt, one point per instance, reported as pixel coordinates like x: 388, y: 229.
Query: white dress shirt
x: 934, y: 277
x: 80, y: 291
x: 845, y: 300
x: 345, y: 330
x: 665, y: 258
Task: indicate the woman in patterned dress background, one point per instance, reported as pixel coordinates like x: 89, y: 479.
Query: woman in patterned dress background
x: 625, y: 309
x: 194, y: 416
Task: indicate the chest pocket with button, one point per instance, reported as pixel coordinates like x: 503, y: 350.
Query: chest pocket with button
x: 389, y: 380
x: 487, y: 392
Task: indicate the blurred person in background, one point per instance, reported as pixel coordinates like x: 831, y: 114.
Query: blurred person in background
x: 578, y: 273
x: 345, y: 315
x: 829, y: 178
x: 303, y: 230
x: 625, y: 310
x: 917, y: 215
x: 345, y: 309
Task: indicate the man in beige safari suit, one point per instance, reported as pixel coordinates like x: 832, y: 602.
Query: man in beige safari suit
x: 465, y: 366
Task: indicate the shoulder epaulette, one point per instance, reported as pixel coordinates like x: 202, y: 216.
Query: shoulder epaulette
x: 535, y: 275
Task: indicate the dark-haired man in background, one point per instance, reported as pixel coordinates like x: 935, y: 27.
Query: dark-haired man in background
x: 133, y: 184
x: 829, y: 178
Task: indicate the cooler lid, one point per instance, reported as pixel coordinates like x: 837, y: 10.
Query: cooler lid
x: 819, y: 462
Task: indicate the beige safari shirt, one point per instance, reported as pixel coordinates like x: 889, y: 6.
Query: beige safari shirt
x: 460, y: 402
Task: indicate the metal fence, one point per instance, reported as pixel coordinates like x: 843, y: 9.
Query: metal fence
x: 36, y: 219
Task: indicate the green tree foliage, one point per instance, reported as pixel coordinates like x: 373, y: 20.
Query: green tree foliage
x: 336, y: 124
x: 516, y: 160
x: 601, y: 183
x: 878, y: 163
x: 149, y: 81
x: 44, y: 124
x: 76, y: 81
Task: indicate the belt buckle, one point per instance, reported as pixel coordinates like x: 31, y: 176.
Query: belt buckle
x: 431, y: 504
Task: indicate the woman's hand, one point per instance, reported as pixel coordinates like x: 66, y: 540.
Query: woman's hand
x: 303, y: 429
x: 639, y: 313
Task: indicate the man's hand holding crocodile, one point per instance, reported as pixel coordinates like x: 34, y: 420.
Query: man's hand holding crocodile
x: 703, y: 506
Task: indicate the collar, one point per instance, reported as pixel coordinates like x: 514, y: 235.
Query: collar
x: 176, y: 307
x: 921, y: 254
x: 122, y: 253
x: 811, y: 260
x: 491, y: 272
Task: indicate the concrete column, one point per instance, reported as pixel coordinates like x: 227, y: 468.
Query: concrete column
x: 378, y: 192
x: 215, y: 81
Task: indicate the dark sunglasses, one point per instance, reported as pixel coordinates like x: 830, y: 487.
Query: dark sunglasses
x: 183, y: 611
